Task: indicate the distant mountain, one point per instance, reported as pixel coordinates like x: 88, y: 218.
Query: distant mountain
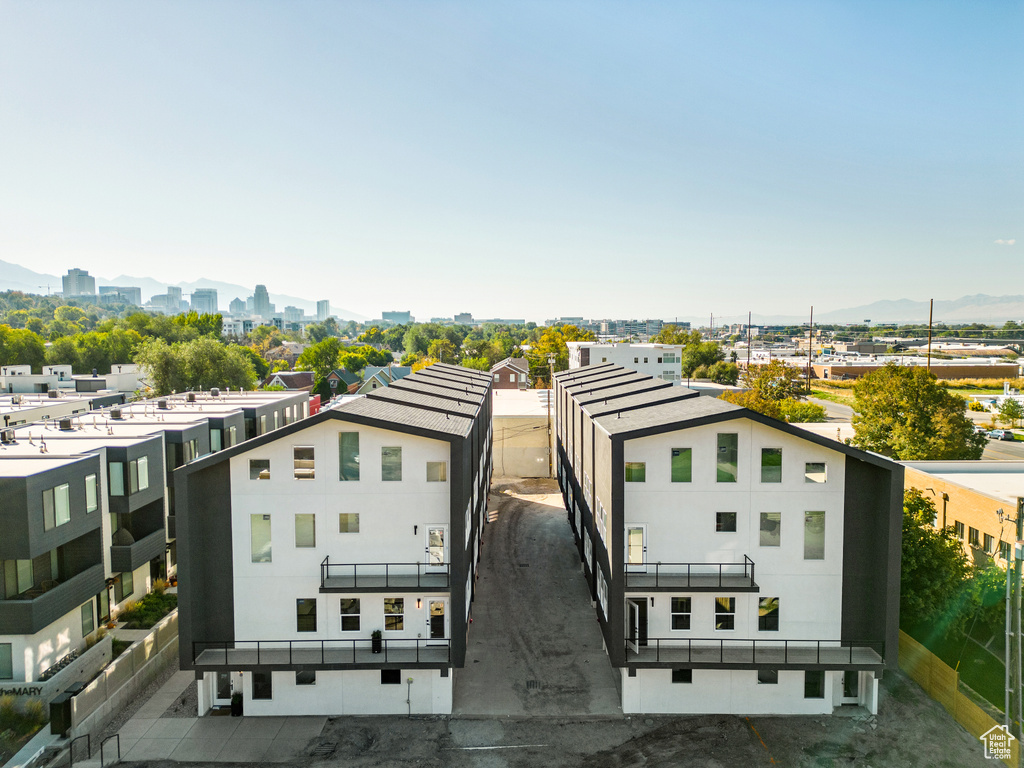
x: 979, y: 308
x: 14, y: 277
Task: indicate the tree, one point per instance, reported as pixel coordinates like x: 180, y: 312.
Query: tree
x: 259, y: 365
x: 720, y: 372
x: 204, y: 324
x: 934, y: 567
x: 801, y: 412
x: 320, y: 358
x: 1011, y: 411
x: 477, y: 363
x: 903, y: 413
x: 352, y: 362
x: 198, y: 364
x: 699, y: 354
x: 672, y: 334
x: 768, y: 387
x: 442, y: 350
x: 21, y: 346
x: 372, y: 336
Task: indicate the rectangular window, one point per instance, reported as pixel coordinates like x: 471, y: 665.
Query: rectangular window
x: 302, y: 458
x: 263, y: 425
x: 232, y: 436
x: 49, y: 517
x: 348, y: 522
x: 56, y: 506
x: 305, y: 677
x: 814, y: 684
x: 391, y: 677
x: 973, y: 536
x: 305, y: 614
x: 989, y: 544
x: 437, y: 471
x: 771, y: 465
x: 394, y: 613
x: 497, y: 376
x: 681, y: 612
x: 725, y: 522
x: 348, y: 448
x: 814, y: 536
x: 768, y: 614
x: 6, y: 661
x: 259, y: 469
x: 127, y: 585
x: 682, y: 465
x: 814, y: 472
x: 771, y: 529
x: 215, y: 440
x: 727, y: 459
x: 725, y: 613
x: 768, y: 677
x: 138, y: 474
x: 262, y: 686
x: 1004, y: 550
x: 17, y: 577
x: 391, y: 463
x: 115, y: 471
x: 350, y: 614
x: 305, y: 530
x: 260, y: 538
x: 958, y: 527
x: 91, y: 497
x: 636, y: 472
x: 684, y: 676
x: 88, y: 619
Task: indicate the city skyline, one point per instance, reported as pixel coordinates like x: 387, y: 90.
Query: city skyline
x: 492, y: 159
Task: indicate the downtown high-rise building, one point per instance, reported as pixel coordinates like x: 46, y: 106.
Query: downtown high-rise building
x: 323, y: 310
x: 261, y: 302
x: 78, y: 282
x: 204, y: 300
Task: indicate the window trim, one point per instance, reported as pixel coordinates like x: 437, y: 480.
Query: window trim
x: 674, y: 613
x: 725, y: 614
x: 393, y: 614
x: 720, y: 517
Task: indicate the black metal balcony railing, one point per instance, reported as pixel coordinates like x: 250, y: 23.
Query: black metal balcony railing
x: 342, y: 576
x: 691, y: 575
x: 290, y: 653
x: 762, y: 652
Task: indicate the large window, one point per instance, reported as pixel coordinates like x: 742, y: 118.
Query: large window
x: 771, y: 465
x: 814, y: 536
x: 394, y: 613
x: 304, y: 466
x: 215, y: 440
x: 814, y: 472
x: 305, y: 614
x: 138, y: 474
x: 768, y: 614
x: 305, y: 530
x: 681, y: 612
x: 725, y: 522
x: 726, y: 460
x: 259, y: 469
x: 17, y: 577
x: 771, y: 529
x: 725, y: 613
x: 350, y: 614
x: 348, y: 447
x: 56, y: 506
x: 768, y: 676
x: 682, y: 465
x: 437, y: 471
x: 348, y: 522
x: 814, y: 684
x: 262, y: 685
x: 88, y: 618
x: 260, y: 538
x: 91, y: 496
x: 391, y: 463
x: 6, y: 662
x: 636, y: 472
x: 115, y: 470
x: 125, y: 587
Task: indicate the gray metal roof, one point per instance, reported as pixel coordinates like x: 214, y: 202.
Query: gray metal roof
x: 572, y: 373
x: 407, y: 415
x: 484, y: 378
x: 632, y: 388
x: 433, y: 402
x: 660, y: 414
x: 445, y: 377
x: 638, y: 400
x: 613, y: 379
x: 438, y: 388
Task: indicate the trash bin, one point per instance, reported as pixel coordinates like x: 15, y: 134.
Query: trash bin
x: 60, y: 714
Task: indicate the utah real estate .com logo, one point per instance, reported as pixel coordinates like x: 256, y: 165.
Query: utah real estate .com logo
x: 997, y: 743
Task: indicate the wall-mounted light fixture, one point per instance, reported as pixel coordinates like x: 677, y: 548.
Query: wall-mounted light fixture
x: 419, y: 603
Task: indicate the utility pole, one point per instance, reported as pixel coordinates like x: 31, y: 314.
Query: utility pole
x: 810, y: 347
x: 931, y: 305
x: 551, y: 394
x: 748, y: 340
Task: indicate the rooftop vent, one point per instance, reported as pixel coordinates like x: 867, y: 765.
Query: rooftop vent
x: 162, y: 405
x: 16, y: 400
x: 65, y: 425
x: 115, y: 413
x: 6, y: 436
x: 190, y: 397
x: 53, y: 394
x: 215, y: 392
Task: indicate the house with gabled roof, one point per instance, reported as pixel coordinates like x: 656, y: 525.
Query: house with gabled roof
x: 378, y: 377
x: 511, y: 373
x: 341, y: 382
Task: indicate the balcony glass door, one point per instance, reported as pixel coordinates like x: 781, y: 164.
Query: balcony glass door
x: 636, y: 548
x: 437, y: 541
x: 437, y: 621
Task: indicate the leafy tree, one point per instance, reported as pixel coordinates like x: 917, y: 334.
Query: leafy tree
x: 20, y: 346
x: 903, y: 413
x: 394, y: 336
x: 700, y: 354
x: 264, y: 337
x: 409, y: 358
x: 422, y: 362
x: 204, y: 324
x: 442, y: 350
x: 69, y: 314
x: 372, y: 336
x: 198, y: 364
x: 477, y: 363
x: 316, y: 332
x: 934, y: 567
x: 321, y: 358
x: 259, y: 365
x: 1011, y: 411
x: 552, y: 341
x: 672, y: 334
x: 801, y: 412
x: 352, y: 362
x: 279, y: 365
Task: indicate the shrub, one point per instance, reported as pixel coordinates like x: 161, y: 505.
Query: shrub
x: 148, y: 611
x: 975, y: 405
x: 798, y: 411
x: 35, y: 711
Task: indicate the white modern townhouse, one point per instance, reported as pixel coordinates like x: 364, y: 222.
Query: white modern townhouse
x: 737, y: 564
x: 328, y: 567
x: 661, y: 360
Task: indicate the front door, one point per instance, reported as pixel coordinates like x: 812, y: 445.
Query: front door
x: 636, y: 549
x: 437, y: 541
x: 633, y: 633
x: 851, y: 687
x: 438, y: 629
x: 222, y: 696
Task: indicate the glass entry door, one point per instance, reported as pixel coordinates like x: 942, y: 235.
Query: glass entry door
x: 636, y: 548
x: 438, y: 627
x: 437, y: 541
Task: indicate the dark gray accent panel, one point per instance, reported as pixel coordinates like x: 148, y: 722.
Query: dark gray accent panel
x: 872, y: 541
x: 206, y: 608
x: 130, y: 557
x: 26, y: 617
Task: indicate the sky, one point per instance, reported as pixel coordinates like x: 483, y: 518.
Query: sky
x: 521, y: 159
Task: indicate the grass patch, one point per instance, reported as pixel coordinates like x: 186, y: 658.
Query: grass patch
x: 147, y: 611
x: 979, y: 669
x: 17, y: 726
x: 117, y: 647
x: 834, y: 396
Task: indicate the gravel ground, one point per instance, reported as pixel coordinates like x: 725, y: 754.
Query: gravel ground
x: 185, y: 705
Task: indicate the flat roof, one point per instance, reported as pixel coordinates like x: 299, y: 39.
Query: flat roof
x: 69, y: 443
x: 521, y: 402
x: 1003, y: 480
x: 21, y: 466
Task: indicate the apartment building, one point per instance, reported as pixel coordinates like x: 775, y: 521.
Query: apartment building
x: 737, y: 564
x: 663, y: 361
x: 968, y: 496
x: 328, y: 567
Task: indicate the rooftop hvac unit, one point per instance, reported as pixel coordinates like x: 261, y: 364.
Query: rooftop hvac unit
x: 162, y: 405
x: 115, y: 413
x: 16, y: 399
x: 190, y: 397
x: 53, y: 394
x: 65, y: 425
x: 6, y: 436
x: 215, y: 392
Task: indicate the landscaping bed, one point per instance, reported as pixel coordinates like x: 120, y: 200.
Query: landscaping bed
x: 148, y: 611
x: 17, y: 726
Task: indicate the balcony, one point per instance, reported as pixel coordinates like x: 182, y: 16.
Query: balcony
x: 128, y: 557
x: 246, y: 655
x: 29, y: 613
x: 692, y: 577
x: 711, y: 653
x: 378, y: 577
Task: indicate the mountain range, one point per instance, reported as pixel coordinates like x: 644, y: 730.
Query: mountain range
x: 14, y: 277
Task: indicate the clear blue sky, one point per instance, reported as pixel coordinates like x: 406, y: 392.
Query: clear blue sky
x: 524, y: 159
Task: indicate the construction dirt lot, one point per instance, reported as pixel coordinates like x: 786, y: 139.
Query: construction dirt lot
x: 558, y: 697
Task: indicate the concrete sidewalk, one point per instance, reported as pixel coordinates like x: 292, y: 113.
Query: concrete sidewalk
x: 149, y: 735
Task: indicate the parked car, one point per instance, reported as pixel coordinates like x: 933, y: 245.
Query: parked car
x: 1001, y: 434
x: 980, y: 429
